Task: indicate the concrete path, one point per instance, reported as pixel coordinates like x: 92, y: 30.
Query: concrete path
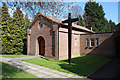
x: 24, y: 58
x: 36, y: 70
x: 110, y: 70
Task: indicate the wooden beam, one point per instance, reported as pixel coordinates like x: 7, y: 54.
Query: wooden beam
x: 72, y: 20
x: 69, y: 37
x: 66, y: 21
x: 69, y: 21
x: 75, y: 19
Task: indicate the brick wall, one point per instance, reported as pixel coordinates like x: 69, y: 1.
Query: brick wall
x: 49, y: 32
x: 106, y: 45
x: 63, y: 43
x: 56, y: 41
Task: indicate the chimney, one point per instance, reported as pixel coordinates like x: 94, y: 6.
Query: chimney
x: 91, y: 29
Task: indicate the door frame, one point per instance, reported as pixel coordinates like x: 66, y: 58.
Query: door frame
x: 38, y: 47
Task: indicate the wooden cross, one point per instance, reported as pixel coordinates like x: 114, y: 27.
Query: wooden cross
x: 69, y: 21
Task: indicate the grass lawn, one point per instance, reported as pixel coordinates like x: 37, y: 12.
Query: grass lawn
x: 13, y: 72
x: 81, y: 66
x: 13, y: 56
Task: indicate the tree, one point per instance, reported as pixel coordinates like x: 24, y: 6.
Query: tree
x: 37, y: 15
x: 18, y: 31
x: 0, y: 31
x: 81, y: 21
x: 94, y: 14
x: 27, y: 21
x: 76, y: 11
x: 27, y: 24
x: 111, y: 24
x: 55, y: 8
x: 6, y: 25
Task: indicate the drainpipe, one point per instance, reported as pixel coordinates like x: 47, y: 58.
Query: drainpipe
x: 58, y: 41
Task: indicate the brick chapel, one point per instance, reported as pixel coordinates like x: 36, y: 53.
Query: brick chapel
x: 47, y: 37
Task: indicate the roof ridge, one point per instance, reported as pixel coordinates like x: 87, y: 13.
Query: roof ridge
x: 60, y: 22
x: 52, y: 18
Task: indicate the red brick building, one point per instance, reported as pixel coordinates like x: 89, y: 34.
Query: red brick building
x: 47, y: 37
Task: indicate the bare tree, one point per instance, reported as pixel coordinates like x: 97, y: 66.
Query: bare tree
x: 76, y: 11
x: 55, y: 9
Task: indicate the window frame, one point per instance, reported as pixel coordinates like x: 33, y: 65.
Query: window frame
x: 96, y: 42
x: 91, y: 42
x: 87, y: 42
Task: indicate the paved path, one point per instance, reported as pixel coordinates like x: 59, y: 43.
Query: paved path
x: 110, y: 70
x: 24, y: 58
x: 36, y: 70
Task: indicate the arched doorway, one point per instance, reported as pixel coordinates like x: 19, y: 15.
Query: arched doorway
x: 41, y: 43
x: 118, y: 46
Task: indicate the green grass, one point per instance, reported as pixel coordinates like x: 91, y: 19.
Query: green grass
x: 13, y: 72
x: 81, y: 66
x: 13, y: 56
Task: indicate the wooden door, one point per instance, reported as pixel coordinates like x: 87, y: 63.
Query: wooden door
x: 42, y: 47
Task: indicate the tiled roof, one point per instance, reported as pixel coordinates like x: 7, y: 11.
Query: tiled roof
x: 60, y: 22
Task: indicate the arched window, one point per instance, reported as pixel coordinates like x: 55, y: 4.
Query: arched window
x: 40, y: 25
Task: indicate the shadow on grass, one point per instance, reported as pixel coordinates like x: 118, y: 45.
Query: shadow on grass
x: 83, y: 66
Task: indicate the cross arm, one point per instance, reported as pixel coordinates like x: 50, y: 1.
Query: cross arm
x: 72, y: 20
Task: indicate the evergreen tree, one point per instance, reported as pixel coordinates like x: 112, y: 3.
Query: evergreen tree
x: 37, y: 15
x: 94, y: 14
x: 27, y: 21
x: 81, y: 21
x: 18, y: 31
x: 27, y: 24
x: 111, y: 24
x: 0, y: 30
x: 6, y: 25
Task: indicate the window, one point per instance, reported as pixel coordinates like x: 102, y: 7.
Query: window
x: 96, y: 42
x: 91, y: 42
x: 40, y: 25
x: 87, y: 42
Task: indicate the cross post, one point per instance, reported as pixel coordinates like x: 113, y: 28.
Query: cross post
x: 69, y: 37
x: 69, y: 21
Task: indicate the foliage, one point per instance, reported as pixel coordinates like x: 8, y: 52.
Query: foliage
x: 18, y: 31
x: 12, y: 72
x: 75, y: 11
x: 81, y: 21
x: 79, y: 65
x: 111, y: 24
x: 27, y: 24
x: 36, y: 15
x: 14, y: 31
x: 95, y: 17
x: 54, y: 8
x: 6, y: 25
x: 27, y: 21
